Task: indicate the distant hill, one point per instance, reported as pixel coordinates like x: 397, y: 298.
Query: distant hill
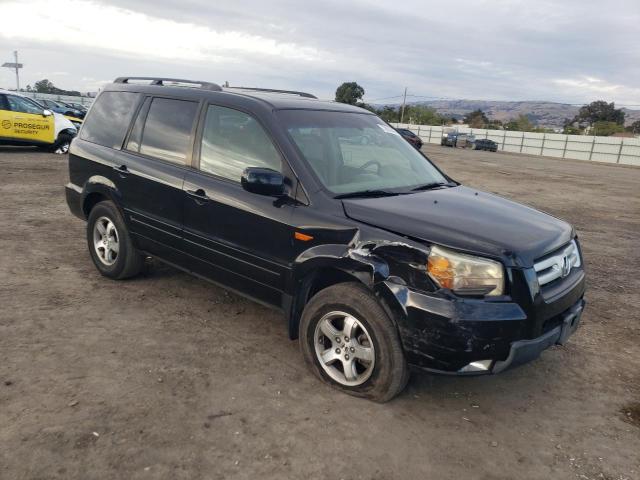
x: 544, y: 114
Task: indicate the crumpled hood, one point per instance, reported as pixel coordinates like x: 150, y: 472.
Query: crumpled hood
x: 466, y: 219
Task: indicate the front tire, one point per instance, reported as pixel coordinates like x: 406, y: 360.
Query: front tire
x: 63, y: 142
x: 348, y: 341
x: 110, y: 245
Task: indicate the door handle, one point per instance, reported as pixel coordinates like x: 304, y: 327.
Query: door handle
x: 122, y: 170
x: 199, y: 195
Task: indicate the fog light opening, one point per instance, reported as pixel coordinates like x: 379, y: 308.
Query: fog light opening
x: 477, y: 366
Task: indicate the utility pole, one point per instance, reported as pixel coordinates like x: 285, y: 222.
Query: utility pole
x: 404, y: 101
x: 17, y: 66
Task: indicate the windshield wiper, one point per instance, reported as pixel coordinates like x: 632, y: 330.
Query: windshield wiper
x: 431, y: 186
x: 368, y: 193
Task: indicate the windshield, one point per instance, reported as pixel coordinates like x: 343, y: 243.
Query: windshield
x: 354, y: 152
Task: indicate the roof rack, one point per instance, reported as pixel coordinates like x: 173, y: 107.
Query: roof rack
x: 271, y: 90
x: 160, y: 82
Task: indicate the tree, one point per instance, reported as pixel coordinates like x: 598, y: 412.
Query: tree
x: 521, y: 124
x: 599, y: 111
x: 634, y: 127
x: 349, y: 92
x: 423, y: 115
x: 44, y: 86
x: 604, y: 129
x: 388, y: 114
x: 476, y: 119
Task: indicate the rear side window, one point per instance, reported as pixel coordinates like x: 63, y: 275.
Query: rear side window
x: 109, y: 119
x: 167, y: 132
x: 233, y: 141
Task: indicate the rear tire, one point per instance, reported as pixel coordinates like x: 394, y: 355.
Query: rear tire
x: 368, y: 362
x: 110, y: 245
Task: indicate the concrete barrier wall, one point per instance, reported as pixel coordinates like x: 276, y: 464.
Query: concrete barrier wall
x: 579, y: 147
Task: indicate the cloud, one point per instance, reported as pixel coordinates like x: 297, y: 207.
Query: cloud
x: 601, y: 88
x: 507, y: 50
x: 123, y: 31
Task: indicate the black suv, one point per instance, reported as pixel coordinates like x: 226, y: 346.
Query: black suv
x: 485, y: 144
x: 377, y: 259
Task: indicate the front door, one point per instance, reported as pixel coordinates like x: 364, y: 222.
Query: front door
x: 22, y: 120
x: 237, y: 238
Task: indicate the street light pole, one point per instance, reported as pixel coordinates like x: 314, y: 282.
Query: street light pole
x: 15, y: 54
x: 17, y: 67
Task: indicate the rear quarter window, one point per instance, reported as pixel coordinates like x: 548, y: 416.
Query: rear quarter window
x: 109, y: 118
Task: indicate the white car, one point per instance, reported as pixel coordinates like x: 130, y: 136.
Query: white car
x: 24, y: 121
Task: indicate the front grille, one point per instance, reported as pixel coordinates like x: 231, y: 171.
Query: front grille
x: 558, y: 264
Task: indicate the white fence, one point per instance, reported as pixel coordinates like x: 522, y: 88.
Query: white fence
x: 86, y: 101
x: 579, y: 147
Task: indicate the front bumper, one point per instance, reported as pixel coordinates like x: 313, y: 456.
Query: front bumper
x: 446, y: 334
x: 523, y: 351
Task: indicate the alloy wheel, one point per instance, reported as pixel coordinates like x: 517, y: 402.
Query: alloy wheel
x: 344, y: 348
x: 106, y: 241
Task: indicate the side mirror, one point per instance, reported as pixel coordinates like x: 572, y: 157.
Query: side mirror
x: 47, y: 113
x: 263, y: 181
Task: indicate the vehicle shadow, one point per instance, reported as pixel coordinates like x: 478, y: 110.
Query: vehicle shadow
x: 20, y: 149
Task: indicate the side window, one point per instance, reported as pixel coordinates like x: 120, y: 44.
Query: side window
x: 232, y: 141
x: 19, y: 104
x: 3, y: 102
x: 167, y: 132
x: 109, y: 119
x: 136, y: 132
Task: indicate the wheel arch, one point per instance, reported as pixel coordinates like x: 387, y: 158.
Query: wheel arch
x: 331, y: 265
x: 97, y: 189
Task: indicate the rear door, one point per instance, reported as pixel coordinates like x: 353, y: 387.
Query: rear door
x: 235, y: 237
x: 22, y: 120
x: 150, y: 172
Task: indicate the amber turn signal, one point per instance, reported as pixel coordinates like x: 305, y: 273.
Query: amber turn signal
x: 303, y: 237
x: 440, y: 270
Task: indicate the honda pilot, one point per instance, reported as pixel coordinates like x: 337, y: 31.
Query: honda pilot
x: 377, y: 259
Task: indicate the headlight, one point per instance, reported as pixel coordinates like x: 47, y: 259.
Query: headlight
x: 465, y: 274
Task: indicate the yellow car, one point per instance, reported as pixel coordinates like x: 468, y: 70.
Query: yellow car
x: 24, y: 121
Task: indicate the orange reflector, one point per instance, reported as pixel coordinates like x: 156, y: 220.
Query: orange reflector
x: 303, y: 237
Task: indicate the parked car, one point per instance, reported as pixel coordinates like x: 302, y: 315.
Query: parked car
x: 410, y: 137
x: 60, y: 107
x: 377, y: 259
x: 25, y: 122
x: 460, y: 140
x: 77, y: 106
x: 485, y: 144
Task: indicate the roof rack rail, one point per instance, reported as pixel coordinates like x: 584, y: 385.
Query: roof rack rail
x: 271, y: 90
x: 160, y: 81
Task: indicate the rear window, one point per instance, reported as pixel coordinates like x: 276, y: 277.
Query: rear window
x: 109, y: 119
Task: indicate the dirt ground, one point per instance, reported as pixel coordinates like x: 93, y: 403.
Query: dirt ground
x: 168, y: 377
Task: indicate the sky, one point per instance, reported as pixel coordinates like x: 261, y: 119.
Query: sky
x: 570, y: 51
